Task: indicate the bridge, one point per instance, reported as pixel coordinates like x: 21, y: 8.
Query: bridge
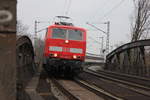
x: 131, y: 58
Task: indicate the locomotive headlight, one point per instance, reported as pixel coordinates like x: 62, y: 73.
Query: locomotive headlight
x: 55, y: 55
x: 66, y: 41
x: 74, y: 57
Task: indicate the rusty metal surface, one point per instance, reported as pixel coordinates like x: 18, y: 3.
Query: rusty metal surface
x: 131, y: 58
x: 7, y: 67
x: 7, y: 49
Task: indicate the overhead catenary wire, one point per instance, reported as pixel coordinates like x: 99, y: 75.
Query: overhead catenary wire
x: 67, y: 6
x: 111, y: 10
x: 101, y: 7
x: 94, y: 40
x: 64, y: 8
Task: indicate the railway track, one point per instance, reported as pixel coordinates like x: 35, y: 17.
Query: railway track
x: 90, y: 89
x: 137, y: 84
x: 73, y: 90
x: 114, y: 86
x: 140, y: 82
x: 62, y: 89
x: 106, y: 95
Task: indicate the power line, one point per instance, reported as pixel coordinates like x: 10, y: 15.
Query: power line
x: 107, y: 33
x: 96, y: 27
x: 94, y: 40
x: 68, y: 7
x: 101, y: 7
x: 115, y: 7
x: 64, y: 8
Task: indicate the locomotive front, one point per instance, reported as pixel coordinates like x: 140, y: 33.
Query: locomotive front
x: 65, y: 48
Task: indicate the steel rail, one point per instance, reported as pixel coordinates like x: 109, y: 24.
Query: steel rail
x: 97, y: 90
x: 134, y: 79
x: 66, y: 92
x: 134, y: 85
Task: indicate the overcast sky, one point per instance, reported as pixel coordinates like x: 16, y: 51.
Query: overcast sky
x: 118, y: 12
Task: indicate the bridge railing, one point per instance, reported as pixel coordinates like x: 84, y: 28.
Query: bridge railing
x: 132, y: 58
x: 94, y: 59
x: 94, y: 55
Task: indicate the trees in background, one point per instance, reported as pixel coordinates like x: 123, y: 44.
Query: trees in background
x: 141, y: 24
x: 21, y: 28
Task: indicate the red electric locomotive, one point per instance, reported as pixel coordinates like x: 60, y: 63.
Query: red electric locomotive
x: 65, y: 48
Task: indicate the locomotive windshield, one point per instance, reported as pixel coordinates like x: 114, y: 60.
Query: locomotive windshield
x: 75, y: 35
x: 59, y: 33
x: 69, y: 34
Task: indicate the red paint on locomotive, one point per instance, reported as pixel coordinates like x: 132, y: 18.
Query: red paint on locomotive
x: 65, y: 42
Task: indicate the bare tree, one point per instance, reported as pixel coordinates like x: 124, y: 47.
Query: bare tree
x: 118, y: 44
x: 21, y: 28
x: 141, y: 27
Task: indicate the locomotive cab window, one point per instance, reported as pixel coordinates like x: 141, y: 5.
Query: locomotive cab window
x: 70, y: 34
x: 74, y: 35
x: 59, y: 33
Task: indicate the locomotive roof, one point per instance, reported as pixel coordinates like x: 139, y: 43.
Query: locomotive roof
x: 63, y: 17
x: 65, y: 26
